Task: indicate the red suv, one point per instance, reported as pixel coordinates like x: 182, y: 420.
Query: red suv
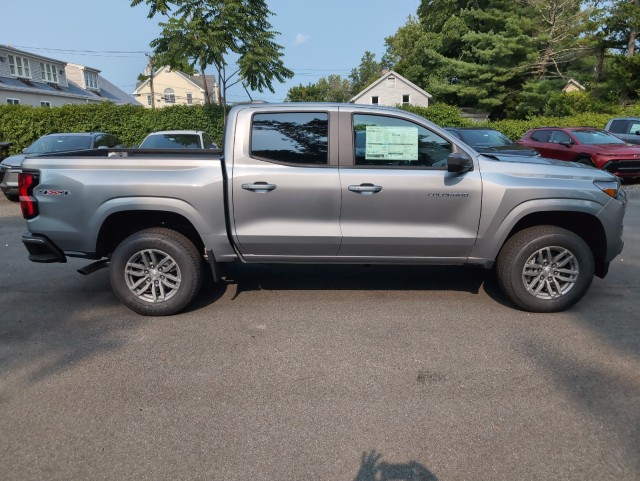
x: 586, y: 145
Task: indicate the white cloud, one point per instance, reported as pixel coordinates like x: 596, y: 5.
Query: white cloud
x: 300, y: 39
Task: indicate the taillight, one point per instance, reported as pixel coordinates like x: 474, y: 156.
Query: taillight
x: 28, y: 203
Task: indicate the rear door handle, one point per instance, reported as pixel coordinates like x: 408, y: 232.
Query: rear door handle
x: 259, y: 187
x: 365, y: 189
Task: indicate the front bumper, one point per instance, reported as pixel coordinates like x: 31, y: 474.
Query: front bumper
x: 623, y: 168
x: 41, y: 249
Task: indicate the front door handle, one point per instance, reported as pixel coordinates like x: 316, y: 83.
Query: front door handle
x: 259, y: 187
x: 365, y: 189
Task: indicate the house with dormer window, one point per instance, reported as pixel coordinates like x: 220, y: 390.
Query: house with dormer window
x: 31, y: 79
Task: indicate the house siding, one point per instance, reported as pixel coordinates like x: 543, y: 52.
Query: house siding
x: 35, y: 99
x: 165, y: 78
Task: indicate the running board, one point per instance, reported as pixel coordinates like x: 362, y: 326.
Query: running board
x: 95, y: 266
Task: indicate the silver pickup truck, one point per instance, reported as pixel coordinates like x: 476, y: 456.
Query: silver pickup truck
x: 323, y: 183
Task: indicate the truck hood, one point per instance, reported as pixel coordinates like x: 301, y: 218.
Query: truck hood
x: 13, y: 161
x: 515, y: 149
x: 577, y: 168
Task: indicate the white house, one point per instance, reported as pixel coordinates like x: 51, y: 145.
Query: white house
x: 30, y: 79
x: 392, y: 89
x: 172, y: 87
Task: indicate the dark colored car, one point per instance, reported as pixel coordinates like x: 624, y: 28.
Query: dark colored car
x: 4, y: 149
x: 490, y: 141
x: 627, y: 128
x: 586, y: 145
x: 10, y: 167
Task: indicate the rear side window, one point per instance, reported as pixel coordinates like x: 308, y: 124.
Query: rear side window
x: 618, y: 126
x: 541, y: 135
x: 291, y: 137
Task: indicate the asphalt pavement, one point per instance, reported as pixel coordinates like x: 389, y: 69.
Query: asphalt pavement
x: 317, y: 373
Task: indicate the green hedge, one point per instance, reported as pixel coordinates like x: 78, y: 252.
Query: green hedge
x: 22, y: 124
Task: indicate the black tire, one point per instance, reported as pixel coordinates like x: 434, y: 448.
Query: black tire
x: 586, y: 160
x: 159, y: 289
x: 12, y: 197
x: 554, y: 248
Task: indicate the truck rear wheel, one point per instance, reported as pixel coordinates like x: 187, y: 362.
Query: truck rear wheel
x: 156, y: 272
x: 545, y: 269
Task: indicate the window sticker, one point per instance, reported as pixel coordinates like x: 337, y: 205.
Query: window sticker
x: 397, y: 143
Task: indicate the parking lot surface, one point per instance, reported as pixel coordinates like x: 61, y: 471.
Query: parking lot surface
x: 317, y: 373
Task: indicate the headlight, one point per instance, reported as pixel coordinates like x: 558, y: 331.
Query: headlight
x: 609, y: 187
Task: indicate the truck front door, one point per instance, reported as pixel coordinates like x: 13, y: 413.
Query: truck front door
x: 399, y: 203
x: 285, y: 187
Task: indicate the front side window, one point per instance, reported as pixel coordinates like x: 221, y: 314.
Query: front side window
x: 559, y: 137
x: 634, y: 128
x: 291, y: 137
x: 48, y: 72
x: 169, y: 96
x: 392, y: 142
x: 19, y: 66
x: 90, y: 80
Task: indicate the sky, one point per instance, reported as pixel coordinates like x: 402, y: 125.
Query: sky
x: 319, y: 37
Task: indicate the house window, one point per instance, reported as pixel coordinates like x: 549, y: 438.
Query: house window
x: 91, y: 80
x: 169, y: 96
x: 405, y: 99
x: 48, y: 72
x: 189, y: 98
x: 148, y: 99
x: 45, y: 103
x: 19, y: 66
x: 13, y: 101
x: 374, y: 100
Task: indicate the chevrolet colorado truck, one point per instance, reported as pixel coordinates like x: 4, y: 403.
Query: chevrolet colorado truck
x: 322, y: 183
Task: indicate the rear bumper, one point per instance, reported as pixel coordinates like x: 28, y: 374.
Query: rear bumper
x: 41, y: 249
x: 9, y: 180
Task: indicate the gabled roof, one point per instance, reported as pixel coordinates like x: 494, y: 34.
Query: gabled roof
x: 196, y: 80
x: 390, y: 73
x: 23, y: 53
x: 574, y: 83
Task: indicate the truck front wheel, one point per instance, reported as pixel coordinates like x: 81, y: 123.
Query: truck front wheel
x: 545, y: 269
x: 156, y: 272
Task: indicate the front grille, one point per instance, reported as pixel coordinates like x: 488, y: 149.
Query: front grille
x: 623, y: 167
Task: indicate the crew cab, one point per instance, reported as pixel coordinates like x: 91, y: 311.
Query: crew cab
x: 323, y: 183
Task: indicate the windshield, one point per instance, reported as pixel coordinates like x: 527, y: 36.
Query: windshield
x: 59, y: 143
x: 484, y: 137
x: 171, y: 141
x: 596, y: 137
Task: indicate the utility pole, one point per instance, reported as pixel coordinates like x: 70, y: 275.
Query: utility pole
x: 149, y: 73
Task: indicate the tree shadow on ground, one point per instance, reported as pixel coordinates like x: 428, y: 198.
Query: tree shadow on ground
x: 372, y: 468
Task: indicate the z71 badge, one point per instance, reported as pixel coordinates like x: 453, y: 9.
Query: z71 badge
x: 53, y: 192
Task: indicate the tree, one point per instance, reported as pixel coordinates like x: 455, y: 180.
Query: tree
x: 366, y: 73
x: 207, y: 33
x: 331, y: 89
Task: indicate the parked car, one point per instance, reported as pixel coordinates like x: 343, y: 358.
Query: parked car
x: 627, y: 128
x: 593, y: 147
x: 63, y: 142
x: 490, y: 141
x: 178, y: 139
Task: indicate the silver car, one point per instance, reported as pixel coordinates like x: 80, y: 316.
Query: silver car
x: 64, y: 142
x: 178, y: 139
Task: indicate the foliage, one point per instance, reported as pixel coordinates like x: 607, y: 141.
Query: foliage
x: 203, y: 33
x: 366, y: 73
x: 23, y: 124
x: 331, y: 89
x: 441, y: 114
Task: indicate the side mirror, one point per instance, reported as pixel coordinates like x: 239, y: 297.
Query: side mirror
x: 459, y: 163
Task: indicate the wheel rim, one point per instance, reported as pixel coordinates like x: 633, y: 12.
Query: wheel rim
x: 152, y: 276
x: 550, y: 272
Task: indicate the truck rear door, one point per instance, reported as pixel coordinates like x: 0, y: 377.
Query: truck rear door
x: 285, y: 185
